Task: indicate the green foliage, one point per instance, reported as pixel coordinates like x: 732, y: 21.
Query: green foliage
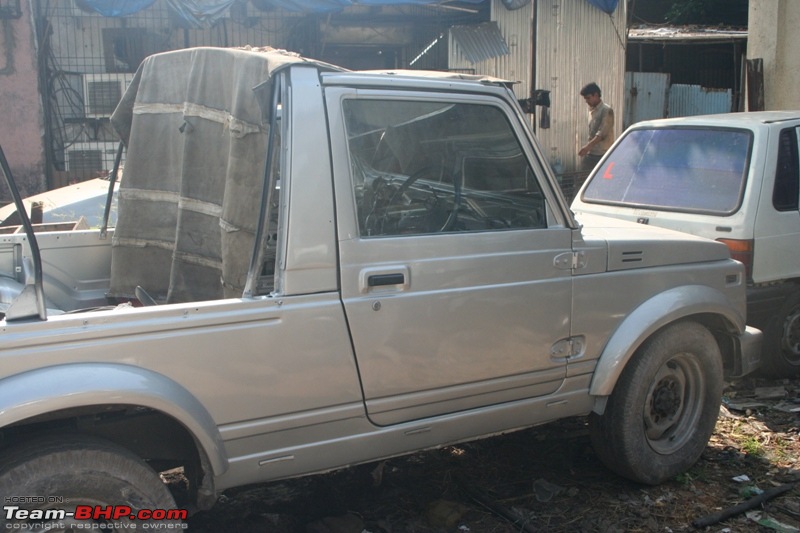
x: 696, y: 473
x: 730, y: 12
x: 752, y: 446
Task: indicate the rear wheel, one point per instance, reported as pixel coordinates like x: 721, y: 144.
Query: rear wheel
x: 664, y: 407
x: 781, y: 355
x: 66, y: 472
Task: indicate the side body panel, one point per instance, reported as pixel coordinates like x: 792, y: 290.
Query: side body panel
x: 257, y: 366
x: 635, y: 280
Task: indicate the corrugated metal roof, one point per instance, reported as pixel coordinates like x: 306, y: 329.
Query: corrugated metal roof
x: 684, y: 34
x: 480, y: 42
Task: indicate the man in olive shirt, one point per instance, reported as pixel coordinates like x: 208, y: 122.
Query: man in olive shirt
x: 601, y: 127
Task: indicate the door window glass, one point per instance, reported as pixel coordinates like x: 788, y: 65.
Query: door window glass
x: 787, y: 181
x: 424, y: 168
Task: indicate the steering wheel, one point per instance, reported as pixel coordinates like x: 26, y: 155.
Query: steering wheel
x: 383, y: 194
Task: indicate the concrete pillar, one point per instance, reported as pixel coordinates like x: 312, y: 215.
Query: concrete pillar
x: 773, y: 36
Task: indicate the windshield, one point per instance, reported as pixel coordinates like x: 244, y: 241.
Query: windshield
x: 680, y: 169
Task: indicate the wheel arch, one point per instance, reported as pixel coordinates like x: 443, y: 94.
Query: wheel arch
x: 124, y: 399
x: 701, y: 303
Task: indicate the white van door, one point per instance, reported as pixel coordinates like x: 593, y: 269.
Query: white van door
x: 777, y: 229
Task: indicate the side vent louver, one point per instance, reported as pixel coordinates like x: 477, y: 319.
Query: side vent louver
x: 632, y: 256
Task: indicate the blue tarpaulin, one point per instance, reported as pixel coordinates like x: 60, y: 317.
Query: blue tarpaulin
x: 606, y: 5
x: 199, y: 13
x: 317, y: 6
x: 309, y: 6
x: 204, y: 13
x: 114, y: 8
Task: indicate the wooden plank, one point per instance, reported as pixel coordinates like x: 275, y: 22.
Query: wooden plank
x: 755, y: 84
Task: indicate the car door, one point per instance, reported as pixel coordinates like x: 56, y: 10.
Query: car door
x: 777, y: 226
x: 455, y: 272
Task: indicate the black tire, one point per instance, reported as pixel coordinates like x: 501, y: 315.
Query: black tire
x: 664, y: 407
x: 781, y: 352
x: 68, y: 471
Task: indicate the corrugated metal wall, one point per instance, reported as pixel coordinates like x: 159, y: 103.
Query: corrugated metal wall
x: 646, y: 96
x: 516, y: 27
x: 577, y: 44
x: 573, y: 43
x: 688, y: 100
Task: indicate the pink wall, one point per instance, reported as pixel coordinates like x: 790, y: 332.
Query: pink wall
x: 20, y: 105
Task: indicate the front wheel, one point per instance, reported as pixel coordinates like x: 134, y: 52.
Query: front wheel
x: 781, y: 353
x: 61, y: 475
x: 664, y: 407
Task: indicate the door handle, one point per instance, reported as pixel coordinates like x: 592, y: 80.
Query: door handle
x: 378, y: 280
x: 386, y: 278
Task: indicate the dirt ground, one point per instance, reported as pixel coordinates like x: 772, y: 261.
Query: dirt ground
x: 547, y: 479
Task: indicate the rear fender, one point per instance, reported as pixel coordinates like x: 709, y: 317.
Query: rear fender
x: 652, y: 315
x: 46, y: 390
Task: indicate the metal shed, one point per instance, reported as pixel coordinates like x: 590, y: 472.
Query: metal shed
x: 556, y: 46
x: 682, y: 71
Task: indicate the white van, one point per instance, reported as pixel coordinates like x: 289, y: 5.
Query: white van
x: 730, y: 177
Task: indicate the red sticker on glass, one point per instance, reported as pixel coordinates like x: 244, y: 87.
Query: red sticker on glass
x: 607, y: 174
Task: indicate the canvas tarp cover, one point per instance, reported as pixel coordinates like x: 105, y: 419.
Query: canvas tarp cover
x: 196, y: 142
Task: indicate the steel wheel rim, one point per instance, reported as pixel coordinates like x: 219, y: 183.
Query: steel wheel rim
x: 674, y: 404
x: 790, y: 340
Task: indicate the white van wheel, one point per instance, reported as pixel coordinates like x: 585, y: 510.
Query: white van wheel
x: 781, y: 354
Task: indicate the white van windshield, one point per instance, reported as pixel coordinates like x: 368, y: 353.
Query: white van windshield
x: 676, y: 169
